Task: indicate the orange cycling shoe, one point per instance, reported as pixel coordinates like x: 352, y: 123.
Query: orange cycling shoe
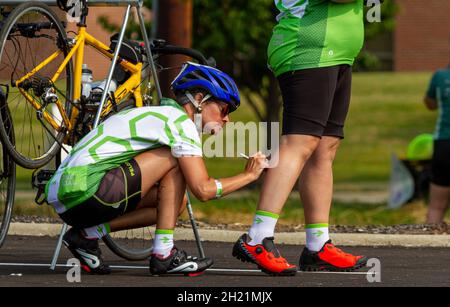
x: 330, y: 258
x: 265, y: 256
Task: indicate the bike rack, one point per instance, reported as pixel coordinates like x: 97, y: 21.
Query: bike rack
x: 129, y: 4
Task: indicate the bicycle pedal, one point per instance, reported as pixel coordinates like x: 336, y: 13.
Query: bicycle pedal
x: 41, y: 177
x: 39, y: 181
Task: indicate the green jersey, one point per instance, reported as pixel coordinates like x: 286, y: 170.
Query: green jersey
x: 439, y: 90
x: 315, y: 33
x: 116, y: 141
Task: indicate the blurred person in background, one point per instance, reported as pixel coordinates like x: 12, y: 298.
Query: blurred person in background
x: 438, y: 98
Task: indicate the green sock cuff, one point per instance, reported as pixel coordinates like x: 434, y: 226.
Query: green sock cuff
x: 164, y: 231
x: 107, y: 227
x: 269, y: 214
x: 322, y: 225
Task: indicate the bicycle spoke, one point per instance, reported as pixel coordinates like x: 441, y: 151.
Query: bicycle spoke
x: 35, y: 138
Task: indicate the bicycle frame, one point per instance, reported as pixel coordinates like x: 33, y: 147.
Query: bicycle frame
x: 130, y: 86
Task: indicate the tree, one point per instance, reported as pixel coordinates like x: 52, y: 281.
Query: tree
x: 366, y: 60
x: 236, y: 34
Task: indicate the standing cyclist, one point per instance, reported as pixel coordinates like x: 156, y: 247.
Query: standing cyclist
x: 132, y: 171
x: 311, y: 52
x: 438, y: 98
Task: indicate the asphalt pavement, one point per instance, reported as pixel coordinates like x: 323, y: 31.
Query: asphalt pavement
x: 24, y: 261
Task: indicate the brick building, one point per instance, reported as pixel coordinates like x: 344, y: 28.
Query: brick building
x: 95, y: 61
x: 421, y: 36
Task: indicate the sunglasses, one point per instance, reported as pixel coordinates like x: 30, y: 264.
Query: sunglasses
x: 224, y: 109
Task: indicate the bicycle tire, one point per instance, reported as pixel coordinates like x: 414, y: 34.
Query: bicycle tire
x: 43, y: 151
x: 8, y: 172
x: 125, y: 252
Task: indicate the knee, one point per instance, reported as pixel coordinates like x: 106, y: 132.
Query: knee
x: 302, y: 146
x: 308, y: 151
x: 167, y: 153
x: 325, y: 153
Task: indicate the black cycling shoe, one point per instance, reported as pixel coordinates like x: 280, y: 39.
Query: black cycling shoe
x: 87, y: 251
x: 178, y: 262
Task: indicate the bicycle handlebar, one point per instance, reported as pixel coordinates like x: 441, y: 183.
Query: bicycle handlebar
x: 160, y: 47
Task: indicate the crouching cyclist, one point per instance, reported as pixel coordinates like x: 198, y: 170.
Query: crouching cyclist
x: 132, y: 171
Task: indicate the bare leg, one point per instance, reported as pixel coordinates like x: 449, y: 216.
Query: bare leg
x: 171, y: 192
x: 144, y: 215
x: 316, y: 181
x: 156, y: 165
x: 439, y: 201
x: 295, y: 150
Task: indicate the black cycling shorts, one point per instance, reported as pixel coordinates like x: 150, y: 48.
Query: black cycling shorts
x: 440, y: 165
x: 316, y: 100
x: 119, y: 193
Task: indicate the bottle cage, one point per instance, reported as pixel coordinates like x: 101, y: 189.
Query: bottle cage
x: 63, y: 5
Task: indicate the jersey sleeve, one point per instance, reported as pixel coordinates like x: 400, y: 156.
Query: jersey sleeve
x: 185, y: 138
x: 432, y: 88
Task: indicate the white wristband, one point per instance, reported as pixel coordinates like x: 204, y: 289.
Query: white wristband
x: 218, y: 188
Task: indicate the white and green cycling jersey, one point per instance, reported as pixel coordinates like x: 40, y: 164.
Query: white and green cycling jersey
x: 315, y: 33
x: 118, y: 140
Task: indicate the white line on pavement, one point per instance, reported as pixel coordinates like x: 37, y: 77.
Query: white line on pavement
x: 146, y: 268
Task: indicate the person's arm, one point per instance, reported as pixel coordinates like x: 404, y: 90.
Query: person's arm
x: 204, y: 187
x: 430, y: 103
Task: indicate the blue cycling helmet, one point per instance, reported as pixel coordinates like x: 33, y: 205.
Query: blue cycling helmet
x: 216, y: 83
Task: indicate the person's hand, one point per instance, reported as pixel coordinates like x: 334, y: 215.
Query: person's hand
x: 256, y: 165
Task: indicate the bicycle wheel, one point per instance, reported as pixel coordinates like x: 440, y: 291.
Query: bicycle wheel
x: 133, y: 244
x: 31, y: 34
x: 7, y: 185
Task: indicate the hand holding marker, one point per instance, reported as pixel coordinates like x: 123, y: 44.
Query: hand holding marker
x: 256, y: 158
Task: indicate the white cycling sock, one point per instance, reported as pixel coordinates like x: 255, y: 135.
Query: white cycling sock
x: 96, y: 232
x: 163, y: 242
x: 263, y: 226
x: 316, y: 236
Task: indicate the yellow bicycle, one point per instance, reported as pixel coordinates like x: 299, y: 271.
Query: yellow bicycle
x: 41, y: 83
x: 44, y: 104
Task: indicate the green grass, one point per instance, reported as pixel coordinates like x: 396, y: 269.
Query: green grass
x: 241, y: 210
x: 386, y: 112
x: 29, y: 207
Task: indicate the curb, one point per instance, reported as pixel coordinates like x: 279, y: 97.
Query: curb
x: 295, y: 238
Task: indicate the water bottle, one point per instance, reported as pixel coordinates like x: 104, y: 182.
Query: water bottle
x: 99, y: 87
x: 86, y: 80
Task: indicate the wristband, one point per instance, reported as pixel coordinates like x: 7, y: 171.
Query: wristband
x: 218, y: 188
